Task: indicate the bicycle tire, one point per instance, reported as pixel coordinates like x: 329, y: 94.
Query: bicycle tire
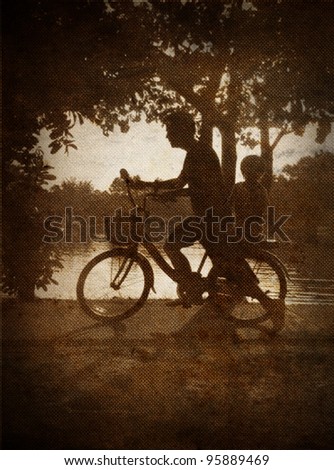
x: 268, y: 269
x: 108, y: 303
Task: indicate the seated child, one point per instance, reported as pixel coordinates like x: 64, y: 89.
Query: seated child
x: 249, y: 198
x: 249, y: 202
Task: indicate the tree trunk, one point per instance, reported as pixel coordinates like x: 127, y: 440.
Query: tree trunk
x: 267, y: 155
x: 206, y: 130
x: 229, y: 142
x: 229, y: 156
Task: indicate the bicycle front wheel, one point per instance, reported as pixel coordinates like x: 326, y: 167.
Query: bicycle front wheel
x: 114, y: 285
x: 271, y: 278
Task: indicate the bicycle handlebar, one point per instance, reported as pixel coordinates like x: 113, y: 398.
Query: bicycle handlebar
x: 126, y: 177
x: 124, y: 174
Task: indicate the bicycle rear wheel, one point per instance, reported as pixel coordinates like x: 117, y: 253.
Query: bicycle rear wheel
x: 271, y: 278
x: 114, y: 285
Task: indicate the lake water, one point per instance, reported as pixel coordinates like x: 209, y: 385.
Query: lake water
x: 301, y: 289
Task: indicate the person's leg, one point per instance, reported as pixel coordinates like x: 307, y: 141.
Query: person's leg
x: 173, y: 247
x: 241, y: 280
x: 250, y: 284
x: 276, y: 307
x: 190, y: 283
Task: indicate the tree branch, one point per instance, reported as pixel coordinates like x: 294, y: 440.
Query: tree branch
x: 282, y: 133
x: 174, y: 75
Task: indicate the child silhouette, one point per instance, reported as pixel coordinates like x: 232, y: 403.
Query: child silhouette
x: 249, y: 198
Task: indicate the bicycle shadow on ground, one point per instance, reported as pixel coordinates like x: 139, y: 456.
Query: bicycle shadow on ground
x: 190, y: 331
x: 165, y: 379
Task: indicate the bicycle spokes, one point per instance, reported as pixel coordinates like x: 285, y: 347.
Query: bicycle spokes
x: 114, y: 285
x: 119, y: 273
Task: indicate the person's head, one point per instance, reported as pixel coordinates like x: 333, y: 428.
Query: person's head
x: 181, y: 129
x: 252, y: 167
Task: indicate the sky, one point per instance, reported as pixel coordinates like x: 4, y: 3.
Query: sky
x: 144, y: 150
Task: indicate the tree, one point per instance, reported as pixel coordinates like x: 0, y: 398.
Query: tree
x: 28, y: 263
x: 305, y: 190
x: 218, y: 56
x: 313, y: 178
x: 238, y: 64
x: 265, y: 68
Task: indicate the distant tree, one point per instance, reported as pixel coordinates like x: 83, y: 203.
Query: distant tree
x: 27, y: 261
x: 312, y: 179
x: 118, y: 186
x: 305, y: 191
x: 73, y: 193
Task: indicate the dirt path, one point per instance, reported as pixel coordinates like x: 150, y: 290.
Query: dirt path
x: 165, y: 379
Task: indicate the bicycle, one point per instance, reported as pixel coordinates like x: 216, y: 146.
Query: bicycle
x: 128, y: 279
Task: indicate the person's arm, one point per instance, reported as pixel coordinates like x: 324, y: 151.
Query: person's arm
x: 167, y: 184
x: 155, y: 185
x: 139, y: 184
x: 172, y: 194
x: 173, y: 184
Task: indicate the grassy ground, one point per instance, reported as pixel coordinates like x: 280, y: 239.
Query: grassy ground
x: 165, y: 379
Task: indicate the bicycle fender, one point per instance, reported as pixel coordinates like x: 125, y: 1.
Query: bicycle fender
x: 280, y: 263
x: 149, y: 270
x: 133, y: 251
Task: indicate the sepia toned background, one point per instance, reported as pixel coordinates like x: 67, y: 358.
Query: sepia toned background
x: 85, y: 85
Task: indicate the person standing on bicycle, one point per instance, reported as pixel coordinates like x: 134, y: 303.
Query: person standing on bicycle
x: 202, y: 174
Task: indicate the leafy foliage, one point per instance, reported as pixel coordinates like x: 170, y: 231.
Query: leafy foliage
x: 313, y: 178
x: 28, y: 263
x: 305, y: 191
x: 267, y: 61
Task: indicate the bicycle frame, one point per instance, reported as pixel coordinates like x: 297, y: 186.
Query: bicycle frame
x: 160, y: 260
x: 150, y: 246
